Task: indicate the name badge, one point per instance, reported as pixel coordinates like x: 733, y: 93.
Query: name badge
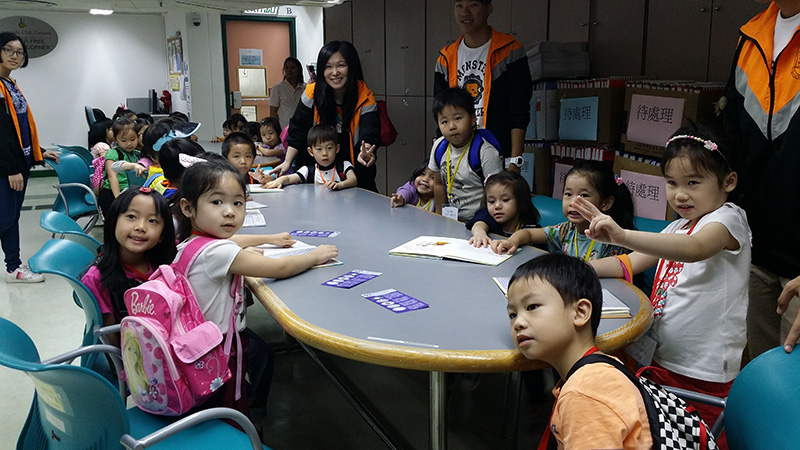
x: 451, y: 212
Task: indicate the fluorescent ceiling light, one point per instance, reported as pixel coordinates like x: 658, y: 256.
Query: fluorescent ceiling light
x: 101, y: 12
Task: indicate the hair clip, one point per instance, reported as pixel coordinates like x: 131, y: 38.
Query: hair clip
x: 485, y: 180
x: 618, y: 180
x: 163, y: 140
x: 145, y: 190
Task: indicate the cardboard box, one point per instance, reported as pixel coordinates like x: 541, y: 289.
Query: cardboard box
x: 591, y: 116
x: 656, y: 110
x: 544, y: 113
x: 623, y: 164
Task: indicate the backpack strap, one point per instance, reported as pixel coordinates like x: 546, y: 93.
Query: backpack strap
x: 439, y: 152
x: 481, y: 134
x: 152, y: 178
x: 191, y: 252
x: 649, y: 405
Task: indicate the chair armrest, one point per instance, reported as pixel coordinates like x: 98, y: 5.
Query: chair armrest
x: 151, y: 439
x: 719, y: 424
x: 59, y: 187
x: 78, y: 352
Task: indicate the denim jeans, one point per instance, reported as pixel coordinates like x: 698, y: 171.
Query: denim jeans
x: 10, y: 207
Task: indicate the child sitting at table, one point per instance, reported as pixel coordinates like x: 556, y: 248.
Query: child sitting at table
x: 270, y: 143
x: 418, y: 191
x: 459, y: 183
x: 554, y: 304
x: 240, y: 150
x: 507, y: 207
x: 594, y: 181
x: 226, y: 130
x: 323, y: 145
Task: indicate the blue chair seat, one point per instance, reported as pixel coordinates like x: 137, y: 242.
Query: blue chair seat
x: 214, y: 434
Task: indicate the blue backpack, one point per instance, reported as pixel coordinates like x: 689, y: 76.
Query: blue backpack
x: 481, y: 134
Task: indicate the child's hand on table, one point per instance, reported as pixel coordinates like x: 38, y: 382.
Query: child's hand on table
x: 325, y: 253
x: 501, y: 247
x: 397, y: 200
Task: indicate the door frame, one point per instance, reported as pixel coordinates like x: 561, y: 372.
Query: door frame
x: 223, y: 21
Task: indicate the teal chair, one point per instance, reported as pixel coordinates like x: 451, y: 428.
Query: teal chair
x: 133, y: 179
x: 79, y: 150
x: 763, y: 406
x: 69, y: 260
x: 75, y: 194
x: 75, y: 408
x: 550, y: 211
x: 61, y: 224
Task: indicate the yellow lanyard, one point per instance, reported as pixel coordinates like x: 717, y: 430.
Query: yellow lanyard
x: 588, y: 251
x: 458, y: 164
x: 426, y: 206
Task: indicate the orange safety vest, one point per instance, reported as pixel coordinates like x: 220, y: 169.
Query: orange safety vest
x: 36, y: 151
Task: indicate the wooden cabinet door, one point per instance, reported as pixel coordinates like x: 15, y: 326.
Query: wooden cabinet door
x: 728, y: 16
x: 529, y: 21
x: 440, y: 26
x: 338, y: 22
x: 368, y: 38
x: 677, y: 39
x: 408, y: 152
x: 617, y: 37
x: 569, y: 21
x: 405, y: 48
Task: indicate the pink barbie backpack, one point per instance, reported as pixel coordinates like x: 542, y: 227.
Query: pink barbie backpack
x: 173, y: 358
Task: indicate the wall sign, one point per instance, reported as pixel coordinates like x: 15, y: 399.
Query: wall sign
x: 39, y: 37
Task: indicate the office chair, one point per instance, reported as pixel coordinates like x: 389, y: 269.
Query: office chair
x: 550, y: 211
x: 61, y: 224
x: 75, y: 408
x: 75, y: 194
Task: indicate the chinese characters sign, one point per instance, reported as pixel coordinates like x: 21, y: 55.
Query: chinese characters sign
x: 578, y: 119
x: 648, y: 192
x: 652, y: 119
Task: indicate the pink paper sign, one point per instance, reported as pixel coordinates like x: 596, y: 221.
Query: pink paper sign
x: 648, y: 192
x: 652, y: 119
x: 559, y: 175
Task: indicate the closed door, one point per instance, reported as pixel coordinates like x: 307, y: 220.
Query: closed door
x: 252, y: 45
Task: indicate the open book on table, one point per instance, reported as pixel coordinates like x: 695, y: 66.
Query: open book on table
x: 613, y: 307
x: 437, y: 247
x: 299, y: 248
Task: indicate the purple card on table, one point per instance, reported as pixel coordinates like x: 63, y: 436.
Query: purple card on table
x: 395, y: 301
x: 352, y: 278
x: 314, y: 233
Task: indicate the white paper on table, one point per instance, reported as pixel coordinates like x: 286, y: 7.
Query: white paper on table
x: 252, y: 204
x: 254, y: 218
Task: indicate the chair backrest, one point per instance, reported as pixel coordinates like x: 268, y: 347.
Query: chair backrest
x: 79, y: 150
x: 90, y: 118
x: 74, y: 408
x: 75, y: 192
x: 71, y: 168
x: 133, y: 179
x: 59, y: 223
x: 763, y: 406
x: 550, y: 211
x: 69, y: 260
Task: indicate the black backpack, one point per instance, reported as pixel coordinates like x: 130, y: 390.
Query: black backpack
x: 674, y: 424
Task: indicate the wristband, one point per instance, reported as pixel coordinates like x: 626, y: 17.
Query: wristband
x: 627, y: 269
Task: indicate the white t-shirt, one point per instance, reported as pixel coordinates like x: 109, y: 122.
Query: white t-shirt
x: 784, y: 29
x: 323, y: 176
x: 211, y: 283
x: 702, y: 331
x: 467, y: 186
x: 471, y: 74
x: 285, y: 98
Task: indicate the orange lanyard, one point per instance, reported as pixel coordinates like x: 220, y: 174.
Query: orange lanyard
x: 333, y: 176
x: 139, y: 275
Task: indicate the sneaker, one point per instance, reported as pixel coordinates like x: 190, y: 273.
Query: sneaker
x: 23, y: 275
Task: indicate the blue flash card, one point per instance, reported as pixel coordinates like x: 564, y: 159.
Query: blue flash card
x: 395, y: 301
x: 352, y: 278
x: 314, y: 233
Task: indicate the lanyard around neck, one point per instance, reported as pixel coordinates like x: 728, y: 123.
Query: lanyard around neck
x: 333, y: 175
x: 139, y: 275
x: 426, y: 205
x: 657, y: 298
x: 455, y: 172
x: 575, y: 244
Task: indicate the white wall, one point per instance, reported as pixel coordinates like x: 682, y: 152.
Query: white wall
x: 99, y: 61
x: 89, y: 66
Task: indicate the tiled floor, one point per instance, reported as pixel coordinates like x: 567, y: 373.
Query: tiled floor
x: 304, y: 410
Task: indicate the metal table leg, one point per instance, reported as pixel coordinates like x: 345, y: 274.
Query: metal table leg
x: 438, y: 411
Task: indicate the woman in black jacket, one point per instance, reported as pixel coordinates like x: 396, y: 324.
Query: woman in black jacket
x: 19, y: 150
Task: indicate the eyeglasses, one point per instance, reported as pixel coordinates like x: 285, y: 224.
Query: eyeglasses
x: 11, y: 52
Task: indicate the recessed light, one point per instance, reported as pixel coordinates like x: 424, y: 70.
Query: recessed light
x: 101, y: 12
